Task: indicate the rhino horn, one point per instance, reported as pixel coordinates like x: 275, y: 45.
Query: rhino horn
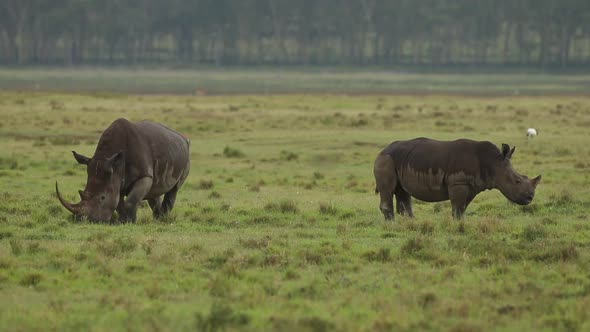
x: 73, y: 208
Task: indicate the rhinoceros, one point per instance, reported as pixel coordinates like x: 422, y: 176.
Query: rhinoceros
x: 133, y: 161
x: 435, y: 171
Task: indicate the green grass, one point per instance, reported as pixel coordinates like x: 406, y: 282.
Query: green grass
x: 278, y: 226
x: 264, y: 80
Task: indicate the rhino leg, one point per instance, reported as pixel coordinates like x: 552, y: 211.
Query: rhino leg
x: 156, y: 206
x: 386, y: 205
x: 169, y: 200
x: 386, y: 181
x: 121, y: 207
x: 461, y: 196
x: 129, y: 209
x: 403, y: 202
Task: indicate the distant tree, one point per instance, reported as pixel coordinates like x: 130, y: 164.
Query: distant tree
x: 328, y: 32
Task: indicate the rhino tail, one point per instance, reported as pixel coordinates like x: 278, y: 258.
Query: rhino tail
x: 376, y: 190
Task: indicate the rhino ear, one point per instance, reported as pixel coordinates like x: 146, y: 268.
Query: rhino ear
x: 505, y: 150
x: 80, y: 158
x: 509, y: 155
x: 115, y: 160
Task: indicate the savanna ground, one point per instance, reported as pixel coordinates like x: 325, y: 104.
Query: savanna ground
x: 278, y: 226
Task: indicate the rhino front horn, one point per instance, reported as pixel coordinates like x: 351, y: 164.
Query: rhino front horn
x: 73, y: 208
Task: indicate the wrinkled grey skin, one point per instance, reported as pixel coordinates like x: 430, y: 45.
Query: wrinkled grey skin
x: 132, y: 162
x: 435, y: 171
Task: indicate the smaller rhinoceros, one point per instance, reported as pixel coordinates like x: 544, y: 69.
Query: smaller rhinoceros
x: 435, y: 171
x: 132, y: 162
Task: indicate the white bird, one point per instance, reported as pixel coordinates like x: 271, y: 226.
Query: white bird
x: 531, y: 132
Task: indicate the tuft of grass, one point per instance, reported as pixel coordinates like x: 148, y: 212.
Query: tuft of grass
x: 291, y: 275
x: 318, y: 176
x: 426, y: 228
x: 221, y: 317
x: 489, y: 226
x: 413, y: 246
x: 284, y: 206
x: 118, y: 246
x: 64, y: 140
x: 148, y: 245
x: 5, y: 234
x: 153, y: 291
x: 205, y: 184
x: 255, y: 186
x: 580, y: 165
x: 34, y: 247
x: 16, y: 247
x: 31, y: 279
x: 437, y: 207
x: 220, y: 258
x: 420, y: 247
x: 381, y: 255
x: 533, y: 232
x: 255, y: 243
x: 529, y: 209
x: 328, y: 208
x: 5, y: 263
x: 311, y: 257
x: 230, y: 152
x: 562, y: 199
x: 461, y: 227
x: 562, y: 151
x: 427, y: 299
x: 560, y: 252
x: 316, y: 324
x: 9, y: 163
x: 288, y: 155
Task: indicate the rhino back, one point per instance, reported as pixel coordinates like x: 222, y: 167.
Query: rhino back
x: 425, y: 166
x: 169, y: 151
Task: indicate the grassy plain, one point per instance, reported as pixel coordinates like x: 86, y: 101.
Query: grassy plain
x: 262, y: 80
x: 278, y: 227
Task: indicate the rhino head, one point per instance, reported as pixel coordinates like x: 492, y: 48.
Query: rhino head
x: 517, y: 188
x: 101, y: 196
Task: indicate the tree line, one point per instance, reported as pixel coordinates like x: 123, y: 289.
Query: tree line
x: 303, y: 32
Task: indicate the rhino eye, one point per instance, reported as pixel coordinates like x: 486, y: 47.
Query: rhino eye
x: 103, y: 197
x: 518, y: 181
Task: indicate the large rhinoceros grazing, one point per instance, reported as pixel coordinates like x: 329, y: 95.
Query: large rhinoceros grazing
x: 133, y: 161
x: 435, y: 171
